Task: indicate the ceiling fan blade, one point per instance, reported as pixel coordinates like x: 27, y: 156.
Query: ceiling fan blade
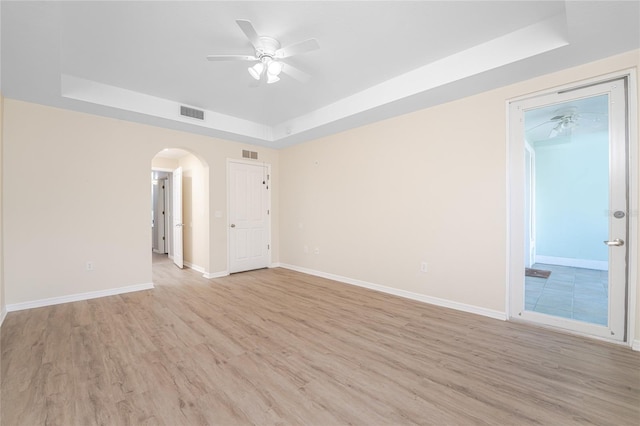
x: 295, y: 73
x: 231, y: 58
x: 539, y: 125
x: 298, y: 48
x: 249, y: 31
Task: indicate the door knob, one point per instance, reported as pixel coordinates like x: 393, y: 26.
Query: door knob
x: 233, y: 225
x: 179, y: 224
x: 616, y: 242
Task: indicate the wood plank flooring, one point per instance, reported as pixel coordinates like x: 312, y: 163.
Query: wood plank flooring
x: 279, y: 347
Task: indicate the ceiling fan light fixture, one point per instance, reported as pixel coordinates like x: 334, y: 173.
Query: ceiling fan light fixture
x: 256, y: 70
x: 274, y: 68
x: 272, y: 78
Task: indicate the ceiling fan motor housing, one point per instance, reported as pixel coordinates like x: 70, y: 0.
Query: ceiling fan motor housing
x: 267, y: 47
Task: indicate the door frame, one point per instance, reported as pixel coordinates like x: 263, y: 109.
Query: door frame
x: 515, y: 191
x: 159, y: 225
x: 269, y: 183
x: 531, y: 203
x: 168, y: 201
x: 177, y: 210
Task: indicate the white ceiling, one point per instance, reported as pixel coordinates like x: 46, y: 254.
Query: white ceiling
x: 141, y: 60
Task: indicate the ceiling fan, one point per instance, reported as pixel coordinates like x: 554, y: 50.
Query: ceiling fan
x: 564, y: 121
x: 269, y: 55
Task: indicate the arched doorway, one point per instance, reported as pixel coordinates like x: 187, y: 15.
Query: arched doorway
x: 179, y: 209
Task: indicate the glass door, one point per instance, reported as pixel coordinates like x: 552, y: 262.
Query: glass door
x: 569, y: 150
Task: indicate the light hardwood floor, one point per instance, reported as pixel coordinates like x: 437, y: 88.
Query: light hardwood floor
x: 279, y: 347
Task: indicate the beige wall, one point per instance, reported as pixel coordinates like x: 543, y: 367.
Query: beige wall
x: 195, y: 211
x: 164, y: 163
x: 428, y: 186
x: 77, y: 190
x: 380, y: 199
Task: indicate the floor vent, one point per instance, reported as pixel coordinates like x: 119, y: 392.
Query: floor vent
x: 249, y: 154
x: 192, y: 112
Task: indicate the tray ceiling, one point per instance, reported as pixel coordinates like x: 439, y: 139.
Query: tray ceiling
x: 142, y: 60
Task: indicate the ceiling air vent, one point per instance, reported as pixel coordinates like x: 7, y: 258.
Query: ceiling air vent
x: 192, y: 112
x: 249, y: 154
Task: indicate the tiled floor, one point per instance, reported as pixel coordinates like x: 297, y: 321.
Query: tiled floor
x: 577, y: 293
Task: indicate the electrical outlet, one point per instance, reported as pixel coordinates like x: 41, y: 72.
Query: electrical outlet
x: 423, y: 267
x: 316, y: 250
x: 90, y: 266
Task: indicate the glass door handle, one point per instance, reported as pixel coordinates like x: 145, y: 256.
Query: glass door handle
x: 616, y: 242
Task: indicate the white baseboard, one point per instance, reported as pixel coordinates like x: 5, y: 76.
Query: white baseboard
x: 598, y: 265
x: 222, y: 274
x: 403, y: 293
x: 636, y: 345
x: 216, y: 274
x: 3, y: 314
x: 194, y: 267
x: 204, y: 273
x: 77, y: 297
x: 275, y: 265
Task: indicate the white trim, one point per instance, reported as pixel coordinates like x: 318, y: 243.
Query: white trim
x: 569, y: 331
x: 77, y: 297
x: 402, y: 293
x: 600, y: 265
x: 615, y: 75
x: 164, y: 169
x: 508, y: 221
x: 194, y: 267
x: 203, y: 271
x: 221, y: 274
x: 632, y: 268
x: 531, y: 180
x: 3, y: 315
x: 275, y: 265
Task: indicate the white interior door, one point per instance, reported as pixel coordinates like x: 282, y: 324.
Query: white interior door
x: 583, y: 294
x: 178, y: 257
x: 249, y: 230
